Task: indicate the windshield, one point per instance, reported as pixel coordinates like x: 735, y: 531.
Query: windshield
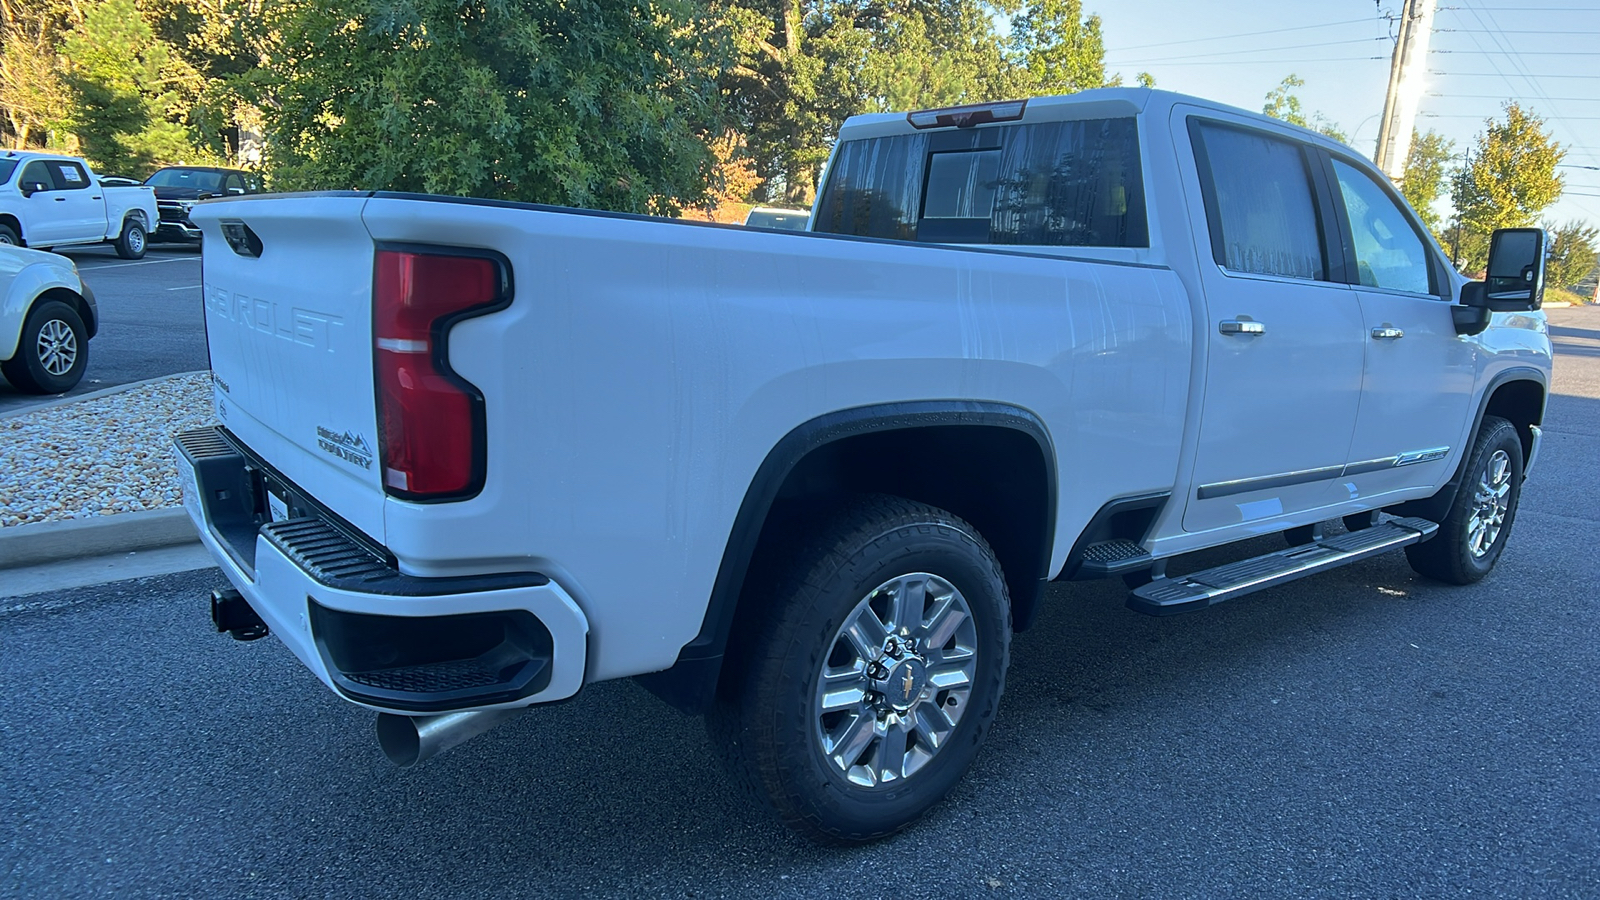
x: 210, y: 182
x: 7, y: 166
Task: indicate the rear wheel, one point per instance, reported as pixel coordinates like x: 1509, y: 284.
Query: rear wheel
x: 1474, y: 531
x: 861, y: 694
x: 131, y: 243
x: 52, y: 351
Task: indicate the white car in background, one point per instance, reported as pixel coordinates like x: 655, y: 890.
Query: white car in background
x: 47, y: 316
x: 48, y: 200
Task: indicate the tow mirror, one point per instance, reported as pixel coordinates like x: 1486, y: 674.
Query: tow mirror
x: 1515, y: 278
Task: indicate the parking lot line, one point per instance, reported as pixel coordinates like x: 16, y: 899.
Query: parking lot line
x: 145, y: 262
x: 185, y: 287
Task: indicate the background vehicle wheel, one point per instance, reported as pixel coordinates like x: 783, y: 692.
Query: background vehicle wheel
x: 9, y: 236
x: 1475, y: 531
x: 131, y: 243
x: 859, y: 694
x: 52, y: 351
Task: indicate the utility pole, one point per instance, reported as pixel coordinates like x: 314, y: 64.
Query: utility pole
x: 1407, y: 70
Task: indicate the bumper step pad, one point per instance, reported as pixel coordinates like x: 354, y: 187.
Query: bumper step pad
x: 1168, y: 596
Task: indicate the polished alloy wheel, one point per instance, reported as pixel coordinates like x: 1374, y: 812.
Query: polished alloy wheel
x: 57, y: 347
x: 897, y: 679
x: 136, y: 240
x: 1491, y: 501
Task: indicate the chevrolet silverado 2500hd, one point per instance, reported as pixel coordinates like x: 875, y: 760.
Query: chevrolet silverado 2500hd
x: 810, y: 483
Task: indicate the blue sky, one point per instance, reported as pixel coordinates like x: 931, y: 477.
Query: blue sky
x: 1483, y: 52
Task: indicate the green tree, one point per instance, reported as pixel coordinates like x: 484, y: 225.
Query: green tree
x: 1427, y: 169
x: 1510, y: 179
x: 1573, y: 253
x: 120, y: 79
x: 1283, y: 103
x: 33, y: 100
x: 595, y: 104
x: 1061, y: 51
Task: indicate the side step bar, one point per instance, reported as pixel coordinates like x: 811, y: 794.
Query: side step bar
x: 1167, y: 596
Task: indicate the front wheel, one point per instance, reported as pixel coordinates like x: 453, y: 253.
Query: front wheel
x: 9, y: 237
x: 1475, y: 530
x: 131, y: 243
x: 860, y: 696
x: 52, y: 351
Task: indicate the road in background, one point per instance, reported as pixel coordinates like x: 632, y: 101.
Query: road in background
x: 151, y: 322
x: 1360, y: 733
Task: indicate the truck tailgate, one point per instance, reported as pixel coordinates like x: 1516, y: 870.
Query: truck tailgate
x: 290, y: 336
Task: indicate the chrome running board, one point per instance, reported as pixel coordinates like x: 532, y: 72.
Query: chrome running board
x: 1167, y: 596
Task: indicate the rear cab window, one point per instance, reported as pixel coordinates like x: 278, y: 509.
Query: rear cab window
x: 1074, y: 183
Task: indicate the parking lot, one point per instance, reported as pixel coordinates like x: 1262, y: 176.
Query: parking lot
x: 1361, y: 733
x: 150, y: 319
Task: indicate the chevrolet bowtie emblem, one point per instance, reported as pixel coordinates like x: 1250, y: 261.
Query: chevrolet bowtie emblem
x: 909, y: 682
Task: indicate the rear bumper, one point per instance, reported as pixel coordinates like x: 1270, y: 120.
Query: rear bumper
x: 377, y: 637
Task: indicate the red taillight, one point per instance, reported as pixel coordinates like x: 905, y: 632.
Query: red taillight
x: 430, y: 420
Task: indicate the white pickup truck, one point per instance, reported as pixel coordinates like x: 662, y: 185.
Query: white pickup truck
x: 811, y: 483
x: 49, y: 201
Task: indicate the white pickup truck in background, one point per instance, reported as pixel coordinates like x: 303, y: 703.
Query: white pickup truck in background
x: 810, y: 483
x: 49, y: 201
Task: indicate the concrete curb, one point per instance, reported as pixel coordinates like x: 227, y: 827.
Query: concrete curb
x: 29, y: 545
x: 95, y: 395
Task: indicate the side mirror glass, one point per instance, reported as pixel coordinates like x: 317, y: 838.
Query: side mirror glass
x: 1515, y: 278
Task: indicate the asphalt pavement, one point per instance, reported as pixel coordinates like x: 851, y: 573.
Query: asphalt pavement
x: 151, y: 319
x: 1362, y: 733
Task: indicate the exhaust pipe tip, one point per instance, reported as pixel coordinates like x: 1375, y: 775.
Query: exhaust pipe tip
x: 398, y: 739
x: 408, y: 740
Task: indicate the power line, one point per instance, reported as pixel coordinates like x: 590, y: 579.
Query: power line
x: 1479, y: 116
x: 1519, y: 53
x: 1226, y: 37
x: 1546, y: 32
x: 1503, y: 75
x: 1520, y: 8
x: 1503, y: 97
x: 1276, y: 62
x: 1129, y: 62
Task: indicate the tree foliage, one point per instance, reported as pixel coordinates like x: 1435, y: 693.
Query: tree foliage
x: 1508, y: 181
x: 1283, y: 103
x: 124, y: 85
x: 1427, y: 170
x: 1573, y: 253
x: 585, y: 103
x: 1511, y: 177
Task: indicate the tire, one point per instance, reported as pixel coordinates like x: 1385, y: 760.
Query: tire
x: 52, y: 350
x: 1475, y: 530
x: 133, y: 241
x: 9, y: 236
x: 769, y: 719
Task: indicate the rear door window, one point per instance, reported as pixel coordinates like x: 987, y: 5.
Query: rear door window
x: 69, y: 176
x: 1065, y: 184
x: 1259, y: 203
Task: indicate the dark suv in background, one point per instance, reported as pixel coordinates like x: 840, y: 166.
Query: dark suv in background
x: 179, y: 187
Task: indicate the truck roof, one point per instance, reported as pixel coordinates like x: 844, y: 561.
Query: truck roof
x: 1099, y: 103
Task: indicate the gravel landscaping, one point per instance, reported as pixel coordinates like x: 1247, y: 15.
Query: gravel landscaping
x: 99, y: 457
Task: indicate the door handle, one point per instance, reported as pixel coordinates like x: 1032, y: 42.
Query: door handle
x: 61, y: 199
x: 1241, y: 325
x: 94, y: 198
x: 1387, y: 332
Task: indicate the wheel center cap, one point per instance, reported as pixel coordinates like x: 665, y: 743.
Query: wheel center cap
x: 903, y: 684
